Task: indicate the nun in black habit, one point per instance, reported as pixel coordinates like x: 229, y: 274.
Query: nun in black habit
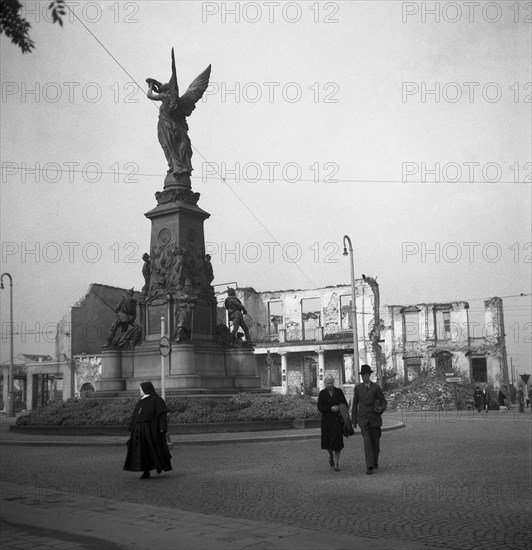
x: 147, y: 448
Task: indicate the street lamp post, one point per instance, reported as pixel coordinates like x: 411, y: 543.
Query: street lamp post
x: 9, y: 404
x: 353, y: 307
x: 163, y: 380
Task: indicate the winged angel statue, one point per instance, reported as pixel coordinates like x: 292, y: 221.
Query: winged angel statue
x: 172, y: 128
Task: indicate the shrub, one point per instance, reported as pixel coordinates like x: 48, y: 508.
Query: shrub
x: 239, y: 408
x: 241, y: 401
x: 80, y: 412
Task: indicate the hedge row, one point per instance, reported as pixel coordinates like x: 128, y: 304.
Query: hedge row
x: 239, y: 408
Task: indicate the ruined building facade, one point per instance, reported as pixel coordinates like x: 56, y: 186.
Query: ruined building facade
x: 301, y: 336
x: 442, y: 336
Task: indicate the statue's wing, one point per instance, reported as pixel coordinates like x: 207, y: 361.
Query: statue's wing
x: 172, y: 84
x: 195, y: 91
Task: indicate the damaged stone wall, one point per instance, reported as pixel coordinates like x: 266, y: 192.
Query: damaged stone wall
x: 329, y: 314
x: 445, y: 328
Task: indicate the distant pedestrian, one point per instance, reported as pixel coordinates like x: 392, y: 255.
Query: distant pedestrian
x: 485, y: 398
x: 502, y: 399
x: 147, y: 448
x: 332, y: 436
x: 477, y: 396
x: 521, y: 399
x: 368, y: 405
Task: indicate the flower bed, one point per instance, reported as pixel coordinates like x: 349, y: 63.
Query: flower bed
x: 239, y: 408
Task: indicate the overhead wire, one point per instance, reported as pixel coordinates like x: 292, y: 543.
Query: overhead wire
x: 195, y: 148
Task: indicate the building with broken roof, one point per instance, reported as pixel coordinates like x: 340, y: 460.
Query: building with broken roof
x: 299, y: 336
x: 303, y: 335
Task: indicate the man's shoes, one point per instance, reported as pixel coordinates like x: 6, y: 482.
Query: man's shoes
x: 145, y: 475
x: 369, y: 471
x: 337, y: 468
x: 375, y: 466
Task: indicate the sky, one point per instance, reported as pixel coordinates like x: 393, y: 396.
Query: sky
x: 404, y: 125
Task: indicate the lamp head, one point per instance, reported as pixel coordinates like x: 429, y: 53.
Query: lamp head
x: 345, y: 251
x: 1, y: 286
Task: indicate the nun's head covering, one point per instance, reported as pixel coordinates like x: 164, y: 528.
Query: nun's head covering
x: 147, y: 388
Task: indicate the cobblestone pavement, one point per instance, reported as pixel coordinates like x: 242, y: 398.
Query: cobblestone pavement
x: 20, y: 536
x: 454, y: 481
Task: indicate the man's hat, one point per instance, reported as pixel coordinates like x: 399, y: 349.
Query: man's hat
x: 365, y: 369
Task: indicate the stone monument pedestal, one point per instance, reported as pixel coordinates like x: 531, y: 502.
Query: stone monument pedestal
x: 179, y: 291
x: 111, y: 378
x: 199, y: 368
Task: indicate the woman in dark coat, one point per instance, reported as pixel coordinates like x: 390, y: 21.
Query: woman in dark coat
x: 332, y: 436
x: 147, y: 448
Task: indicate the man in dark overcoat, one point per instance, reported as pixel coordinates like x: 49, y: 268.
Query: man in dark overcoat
x: 368, y: 405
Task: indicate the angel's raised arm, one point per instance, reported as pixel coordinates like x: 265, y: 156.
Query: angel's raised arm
x: 154, y: 96
x: 153, y: 85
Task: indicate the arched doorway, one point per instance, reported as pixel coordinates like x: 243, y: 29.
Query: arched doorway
x: 444, y: 363
x: 86, y: 389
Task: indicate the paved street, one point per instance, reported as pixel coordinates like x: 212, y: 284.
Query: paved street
x: 446, y: 481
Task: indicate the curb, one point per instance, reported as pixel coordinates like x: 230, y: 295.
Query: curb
x: 271, y: 438
x: 173, y: 429
x: 250, y: 438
